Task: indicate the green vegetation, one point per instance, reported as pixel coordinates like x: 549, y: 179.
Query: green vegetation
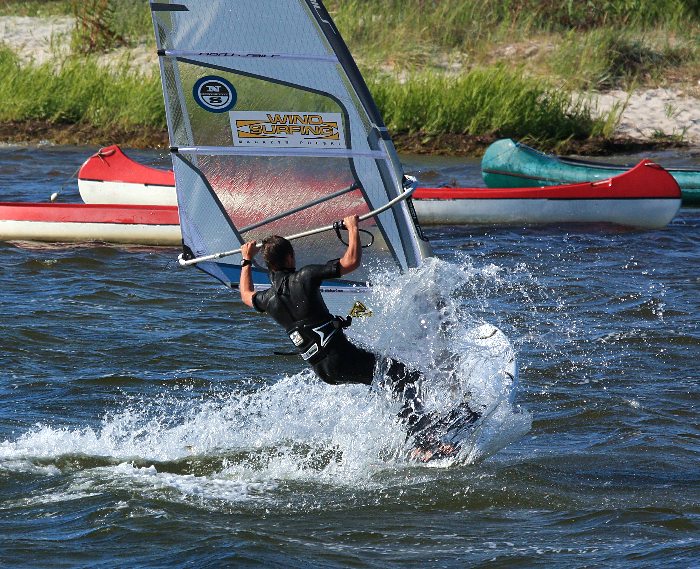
x: 79, y: 91
x: 41, y: 8
x: 104, y: 24
x: 583, y: 44
x: 603, y: 59
x: 477, y: 68
x: 495, y: 100
x: 461, y: 20
x: 492, y: 100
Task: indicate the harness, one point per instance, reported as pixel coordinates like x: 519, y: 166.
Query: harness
x: 312, y: 341
x: 310, y: 336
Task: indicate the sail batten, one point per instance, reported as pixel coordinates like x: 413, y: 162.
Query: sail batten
x: 284, y: 152
x: 215, y: 53
x: 298, y: 209
x: 273, y: 131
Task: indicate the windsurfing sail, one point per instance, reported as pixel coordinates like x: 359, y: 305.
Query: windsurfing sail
x: 274, y: 132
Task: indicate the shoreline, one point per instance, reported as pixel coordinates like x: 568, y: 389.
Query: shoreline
x: 36, y: 132
x: 39, y: 132
x: 651, y: 119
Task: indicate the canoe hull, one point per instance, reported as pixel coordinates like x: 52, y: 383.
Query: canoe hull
x: 104, y: 192
x: 646, y: 196
x: 82, y: 223
x: 110, y: 177
x: 509, y: 164
x: 642, y: 213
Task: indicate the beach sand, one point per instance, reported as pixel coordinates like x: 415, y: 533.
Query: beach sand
x: 654, y: 112
x: 647, y: 114
x: 38, y: 40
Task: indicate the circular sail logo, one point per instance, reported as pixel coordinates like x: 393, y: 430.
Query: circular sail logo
x: 214, y: 94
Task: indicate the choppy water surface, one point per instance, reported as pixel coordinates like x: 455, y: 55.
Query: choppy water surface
x: 144, y: 421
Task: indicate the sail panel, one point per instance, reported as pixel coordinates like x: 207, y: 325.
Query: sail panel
x: 235, y: 192
x: 267, y: 111
x: 197, y: 201
x: 264, y: 85
x: 244, y: 26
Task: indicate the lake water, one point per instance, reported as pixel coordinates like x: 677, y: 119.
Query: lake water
x: 145, y: 422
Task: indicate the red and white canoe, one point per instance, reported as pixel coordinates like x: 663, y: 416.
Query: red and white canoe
x: 130, y: 203
x: 77, y: 223
x: 646, y: 196
x: 125, y: 203
x: 111, y: 177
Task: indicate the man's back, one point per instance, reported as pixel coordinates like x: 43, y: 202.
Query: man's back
x: 295, y: 296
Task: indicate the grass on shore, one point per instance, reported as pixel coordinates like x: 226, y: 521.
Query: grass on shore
x: 79, y: 91
x: 604, y: 59
x: 35, y: 8
x: 479, y: 68
x: 580, y: 45
x: 494, y: 101
x: 460, y: 24
x: 601, y: 45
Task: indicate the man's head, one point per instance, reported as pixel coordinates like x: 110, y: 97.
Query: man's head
x: 278, y: 253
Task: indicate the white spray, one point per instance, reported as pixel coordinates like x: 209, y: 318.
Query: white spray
x: 298, y: 428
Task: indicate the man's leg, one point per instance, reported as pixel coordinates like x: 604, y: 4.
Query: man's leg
x: 346, y: 363
x: 430, y: 432
x: 405, y: 385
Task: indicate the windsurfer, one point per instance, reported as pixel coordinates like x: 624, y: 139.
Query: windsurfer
x: 294, y: 301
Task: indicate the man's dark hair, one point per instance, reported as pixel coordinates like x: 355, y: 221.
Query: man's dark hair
x: 275, y: 250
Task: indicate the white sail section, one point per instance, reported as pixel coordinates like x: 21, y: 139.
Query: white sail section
x: 273, y: 131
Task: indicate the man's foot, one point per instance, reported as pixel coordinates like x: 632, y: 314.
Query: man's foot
x: 443, y: 450
x: 441, y: 437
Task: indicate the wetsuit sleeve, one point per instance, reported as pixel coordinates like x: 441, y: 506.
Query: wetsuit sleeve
x: 260, y: 300
x: 316, y: 274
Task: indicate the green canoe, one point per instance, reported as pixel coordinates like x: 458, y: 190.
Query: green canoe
x: 510, y: 164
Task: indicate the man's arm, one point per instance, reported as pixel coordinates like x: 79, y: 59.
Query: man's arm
x: 353, y: 256
x: 246, y: 288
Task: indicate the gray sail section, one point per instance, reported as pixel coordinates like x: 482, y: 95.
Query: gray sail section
x: 289, y: 128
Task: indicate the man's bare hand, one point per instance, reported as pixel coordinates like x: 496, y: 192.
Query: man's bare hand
x: 249, y: 250
x: 353, y: 256
x: 351, y: 221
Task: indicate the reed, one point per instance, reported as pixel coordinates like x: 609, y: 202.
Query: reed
x: 494, y: 101
x: 35, y: 8
x: 387, y: 25
x: 79, y: 91
x: 440, y: 23
x: 103, y: 24
x: 603, y: 44
x: 605, y: 58
x: 95, y: 26
x: 461, y: 78
x: 489, y: 101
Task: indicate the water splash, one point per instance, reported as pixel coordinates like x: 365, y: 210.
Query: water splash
x: 421, y: 320
x: 242, y: 443
x: 232, y: 447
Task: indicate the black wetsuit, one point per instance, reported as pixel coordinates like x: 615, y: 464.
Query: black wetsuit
x: 294, y: 300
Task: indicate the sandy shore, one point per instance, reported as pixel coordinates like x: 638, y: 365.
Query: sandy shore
x: 46, y: 40
x: 38, y: 40
x: 647, y: 114
x: 656, y: 111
